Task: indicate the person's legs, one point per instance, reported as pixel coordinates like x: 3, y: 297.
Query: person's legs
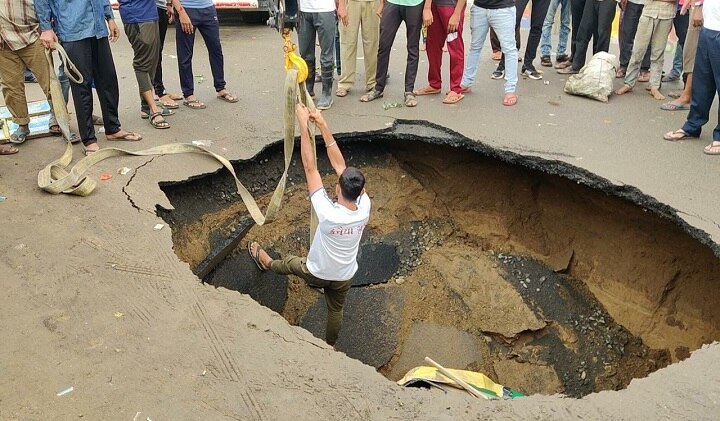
x: 456, y: 51
x: 145, y: 41
x: 306, y: 46
x: 704, y: 85
x: 106, y: 85
x: 412, y: 15
x: 325, y: 26
x: 348, y: 44
x: 588, y: 25
x: 338, y: 61
x: 577, y: 7
x: 631, y: 17
x: 335, y: 294
x: 538, y: 12
x: 494, y: 43
x: 545, y: 38
x: 370, y: 30
x: 713, y: 53
x: 658, y: 43
x: 13, y: 87
x: 36, y: 60
x: 209, y: 28
x: 158, y: 84
x: 389, y: 24
x: 436, y: 36
x: 184, y: 44
x: 605, y: 17
x: 564, y: 28
x: 64, y: 82
x: 680, y: 23
x: 643, y: 36
x: 479, y: 25
x: 81, y: 54
x: 503, y: 21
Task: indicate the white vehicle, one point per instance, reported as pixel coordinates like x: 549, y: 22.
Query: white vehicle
x: 253, y: 11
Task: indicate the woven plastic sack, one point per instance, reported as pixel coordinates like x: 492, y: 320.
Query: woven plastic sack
x: 595, y: 80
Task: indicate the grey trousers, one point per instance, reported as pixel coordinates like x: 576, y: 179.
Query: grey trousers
x: 145, y: 40
x: 322, y: 26
x: 653, y: 33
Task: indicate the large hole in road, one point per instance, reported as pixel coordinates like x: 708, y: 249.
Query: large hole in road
x: 541, y: 275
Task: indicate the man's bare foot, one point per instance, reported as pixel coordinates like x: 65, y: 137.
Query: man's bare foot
x: 623, y: 90
x: 655, y: 92
x: 260, y: 256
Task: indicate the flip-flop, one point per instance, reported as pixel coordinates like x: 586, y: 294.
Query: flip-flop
x: 677, y: 135
x: 19, y: 136
x: 194, y: 104
x: 74, y: 138
x: 228, y: 97
x: 174, y: 97
x: 510, y: 99
x: 671, y: 106
x: 427, y: 90
x: 169, y: 105
x: 453, y: 98
x: 164, y: 111
x: 129, y: 136
x: 713, y: 148
x: 371, y: 96
x: 256, y: 257
x: 8, y: 150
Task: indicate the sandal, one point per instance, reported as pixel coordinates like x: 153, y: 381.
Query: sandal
x: 673, y: 106
x: 713, y: 148
x: 194, y: 104
x: 8, y: 150
x: 677, y: 135
x: 410, y: 100
x: 510, y: 100
x: 227, y: 97
x: 371, y: 96
x: 341, y: 92
x: 158, y: 124
x: 256, y: 256
x: 88, y: 152
x: 74, y: 138
x: 129, y: 136
x: 20, y: 136
x: 165, y: 111
x: 453, y: 98
x: 168, y: 102
x: 427, y: 90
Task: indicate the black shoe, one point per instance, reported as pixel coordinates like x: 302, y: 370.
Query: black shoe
x: 545, y: 61
x: 499, y: 73
x: 531, y: 72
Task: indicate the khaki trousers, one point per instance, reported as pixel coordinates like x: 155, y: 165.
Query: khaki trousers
x: 654, y: 33
x: 12, y: 67
x: 691, y: 42
x: 361, y: 17
x: 335, y: 291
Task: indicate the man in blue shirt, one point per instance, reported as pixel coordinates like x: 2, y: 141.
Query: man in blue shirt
x: 85, y: 29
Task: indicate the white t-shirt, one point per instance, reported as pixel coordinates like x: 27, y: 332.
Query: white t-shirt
x: 317, y: 6
x: 334, y: 249
x: 711, y: 14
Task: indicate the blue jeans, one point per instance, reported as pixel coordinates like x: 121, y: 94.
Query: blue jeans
x: 503, y: 22
x: 706, y: 83
x: 545, y: 42
x: 681, y: 23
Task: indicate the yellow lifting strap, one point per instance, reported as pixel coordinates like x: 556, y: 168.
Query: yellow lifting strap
x: 56, y: 178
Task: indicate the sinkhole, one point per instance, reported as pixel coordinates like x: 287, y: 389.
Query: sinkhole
x: 543, y: 276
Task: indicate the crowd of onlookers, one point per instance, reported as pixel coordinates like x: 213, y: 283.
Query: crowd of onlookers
x: 85, y: 28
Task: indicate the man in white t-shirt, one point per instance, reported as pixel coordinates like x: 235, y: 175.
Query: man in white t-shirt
x: 332, y: 260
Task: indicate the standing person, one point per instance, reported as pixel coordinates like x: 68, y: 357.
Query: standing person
x: 361, y: 17
x: 706, y: 77
x: 332, y: 259
x: 140, y: 20
x: 653, y: 30
x: 446, y: 17
x: 85, y: 29
x: 538, y: 12
x: 631, y: 10
x: 680, y: 24
x: 596, y: 23
x: 201, y: 15
x: 20, y: 49
x: 392, y: 13
x: 495, y: 45
x: 318, y: 19
x: 684, y: 98
x: 165, y: 18
x: 499, y: 15
x: 561, y: 59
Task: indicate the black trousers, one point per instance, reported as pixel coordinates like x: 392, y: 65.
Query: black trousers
x: 628, y: 29
x: 576, y: 10
x: 393, y: 15
x: 596, y: 23
x: 538, y: 11
x: 94, y: 60
x: 158, y: 79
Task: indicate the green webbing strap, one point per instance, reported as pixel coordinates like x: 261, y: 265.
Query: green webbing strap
x: 55, y: 177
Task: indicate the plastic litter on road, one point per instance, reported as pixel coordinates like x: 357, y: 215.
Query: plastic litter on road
x: 65, y: 391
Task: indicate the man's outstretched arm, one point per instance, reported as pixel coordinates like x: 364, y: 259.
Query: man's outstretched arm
x: 333, y: 150
x: 312, y: 175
